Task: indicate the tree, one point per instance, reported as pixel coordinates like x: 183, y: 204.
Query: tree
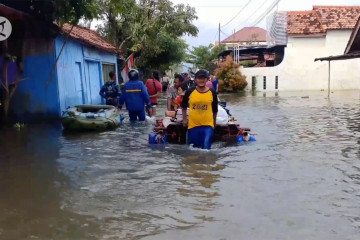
x: 230, y: 77
x: 205, y: 57
x: 151, y: 28
x: 173, y: 51
x: 69, y: 11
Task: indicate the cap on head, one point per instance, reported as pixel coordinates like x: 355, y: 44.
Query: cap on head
x: 184, y: 74
x: 133, y: 74
x: 202, y: 73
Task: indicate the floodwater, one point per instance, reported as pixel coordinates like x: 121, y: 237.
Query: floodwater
x: 299, y: 180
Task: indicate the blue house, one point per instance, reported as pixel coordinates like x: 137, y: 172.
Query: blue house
x: 46, y: 90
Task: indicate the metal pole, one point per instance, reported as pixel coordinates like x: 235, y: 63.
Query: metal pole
x: 219, y: 44
x: 234, y: 56
x: 219, y: 34
x: 237, y: 55
x: 329, y: 81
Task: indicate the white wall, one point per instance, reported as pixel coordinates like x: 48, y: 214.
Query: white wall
x: 298, y: 71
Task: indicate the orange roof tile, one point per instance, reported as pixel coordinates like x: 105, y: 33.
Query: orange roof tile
x: 89, y: 37
x: 338, y: 17
x: 303, y: 22
x: 247, y: 34
x: 321, y: 19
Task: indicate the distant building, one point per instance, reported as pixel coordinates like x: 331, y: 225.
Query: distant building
x: 249, y: 47
x: 247, y: 36
x: 320, y: 32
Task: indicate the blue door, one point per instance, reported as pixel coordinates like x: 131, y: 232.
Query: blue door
x: 79, y: 89
x: 73, y: 85
x: 94, y: 81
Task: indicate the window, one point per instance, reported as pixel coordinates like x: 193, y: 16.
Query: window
x: 264, y: 87
x: 276, y: 82
x: 106, y: 68
x: 253, y: 83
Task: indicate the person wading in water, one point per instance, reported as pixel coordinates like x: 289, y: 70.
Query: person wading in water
x: 203, y: 107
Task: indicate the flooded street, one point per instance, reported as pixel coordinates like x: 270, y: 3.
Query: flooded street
x: 299, y: 180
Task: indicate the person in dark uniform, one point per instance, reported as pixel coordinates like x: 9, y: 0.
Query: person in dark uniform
x: 110, y: 91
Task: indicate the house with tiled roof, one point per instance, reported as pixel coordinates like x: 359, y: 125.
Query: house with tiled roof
x: 322, y: 31
x: 62, y: 65
x: 247, y: 36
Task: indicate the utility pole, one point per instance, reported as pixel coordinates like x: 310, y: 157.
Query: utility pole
x: 219, y: 43
x: 219, y: 35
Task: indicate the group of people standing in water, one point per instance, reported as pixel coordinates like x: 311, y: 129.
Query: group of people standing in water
x: 198, y: 95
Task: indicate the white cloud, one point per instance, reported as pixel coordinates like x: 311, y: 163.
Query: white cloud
x: 211, y: 13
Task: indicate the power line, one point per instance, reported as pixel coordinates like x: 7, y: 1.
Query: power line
x: 237, y: 14
x: 224, y: 33
x: 275, y: 3
x: 216, y: 33
x: 253, y: 13
x: 262, y: 4
x: 261, y: 16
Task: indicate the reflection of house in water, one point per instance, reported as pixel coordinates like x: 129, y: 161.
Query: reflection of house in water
x: 294, y: 40
x: 32, y: 202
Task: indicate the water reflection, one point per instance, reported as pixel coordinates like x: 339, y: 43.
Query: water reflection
x: 300, y: 178
x: 31, y: 189
x: 202, y: 173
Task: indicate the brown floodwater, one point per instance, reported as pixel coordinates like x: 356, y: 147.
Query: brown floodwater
x: 299, y: 180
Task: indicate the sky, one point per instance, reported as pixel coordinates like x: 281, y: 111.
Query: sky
x: 211, y: 13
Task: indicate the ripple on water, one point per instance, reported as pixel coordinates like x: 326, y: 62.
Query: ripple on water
x: 300, y: 178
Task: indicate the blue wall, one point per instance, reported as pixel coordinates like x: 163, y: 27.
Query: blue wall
x: 79, y: 73
x: 33, y: 99
x: 76, y: 80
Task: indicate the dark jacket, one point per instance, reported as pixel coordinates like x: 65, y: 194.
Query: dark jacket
x: 110, y: 90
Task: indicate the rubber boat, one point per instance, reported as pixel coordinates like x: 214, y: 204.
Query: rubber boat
x: 91, y: 117
x: 227, y: 129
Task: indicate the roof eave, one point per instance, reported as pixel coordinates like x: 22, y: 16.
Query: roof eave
x: 339, y: 57
x: 352, y: 37
x: 89, y: 44
x: 301, y: 35
x: 241, y: 41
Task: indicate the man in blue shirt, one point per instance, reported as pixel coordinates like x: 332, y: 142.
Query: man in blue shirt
x: 135, y: 96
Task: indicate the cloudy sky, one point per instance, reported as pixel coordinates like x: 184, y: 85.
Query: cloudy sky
x: 211, y: 13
